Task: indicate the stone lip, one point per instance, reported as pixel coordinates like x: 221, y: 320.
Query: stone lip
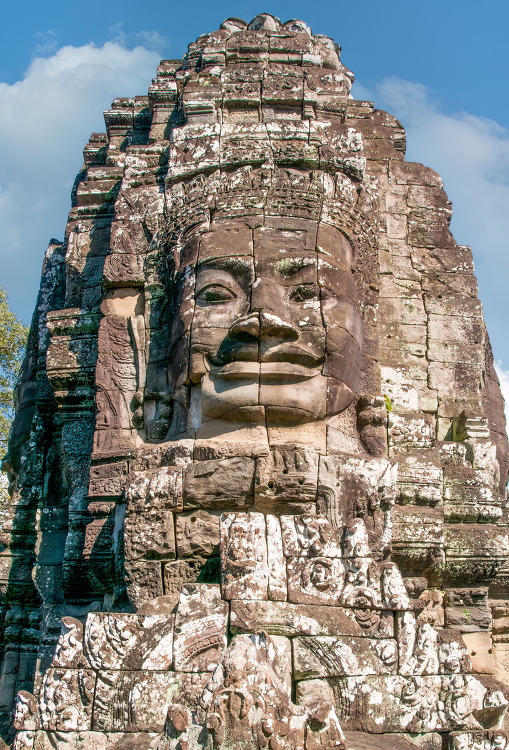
x: 280, y: 370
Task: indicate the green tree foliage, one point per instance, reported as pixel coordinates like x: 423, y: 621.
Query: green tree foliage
x: 13, y: 338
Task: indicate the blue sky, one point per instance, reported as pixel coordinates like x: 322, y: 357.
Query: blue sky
x: 441, y: 67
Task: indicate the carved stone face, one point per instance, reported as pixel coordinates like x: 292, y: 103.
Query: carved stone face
x: 320, y: 576
x: 276, y: 330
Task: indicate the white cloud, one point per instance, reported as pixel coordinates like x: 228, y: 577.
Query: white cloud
x: 149, y: 39
x: 472, y: 156
x: 45, y: 121
x: 503, y: 376
x: 47, y: 43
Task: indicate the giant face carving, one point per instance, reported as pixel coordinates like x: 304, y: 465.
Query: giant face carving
x: 276, y: 333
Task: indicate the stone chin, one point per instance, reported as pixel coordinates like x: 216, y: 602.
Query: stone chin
x: 277, y: 392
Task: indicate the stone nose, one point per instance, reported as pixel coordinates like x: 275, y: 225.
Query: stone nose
x: 246, y: 329
x: 273, y: 326
x: 262, y: 324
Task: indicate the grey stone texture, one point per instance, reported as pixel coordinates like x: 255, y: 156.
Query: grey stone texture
x: 258, y: 467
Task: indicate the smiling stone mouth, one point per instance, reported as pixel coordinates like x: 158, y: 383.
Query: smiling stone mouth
x: 265, y: 371
x: 272, y: 359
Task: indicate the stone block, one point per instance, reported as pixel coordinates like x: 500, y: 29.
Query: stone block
x: 159, y: 488
x: 462, y: 330
x: 200, y: 628
x: 310, y: 536
x: 207, y: 484
x: 478, y: 739
x: 449, y: 380
x: 144, y: 581
x: 107, y: 480
x: 408, y: 310
x: 65, y: 701
x: 450, y: 352
x: 7, y: 691
x: 420, y: 525
x: 374, y: 585
x: 411, y: 429
x: 378, y: 704
x: 394, y: 741
x: 149, y: 535
x: 425, y: 650
x: 125, y: 641
x: 501, y: 655
x: 453, y: 304
x: 24, y: 740
x: 94, y: 740
x: 197, y: 533
x: 48, y: 582
x: 177, y: 574
x: 277, y: 588
x: 479, y: 570
x: 418, y: 539
x: 467, y: 610
x: 330, y: 656
x: 433, y: 601
x: 138, y: 701
x: 176, y: 453
x: 500, y: 614
x: 348, y: 481
x: 471, y: 504
x: 244, y: 561
x: 396, y: 227
x: 480, y: 648
x: 420, y: 479
x: 69, y: 651
x: 283, y: 658
x: 399, y: 387
x: 484, y: 540
x: 415, y: 559
x: 317, y: 580
x: 286, y: 480
x: 283, y: 618
x: 51, y: 547
x: 310, y: 434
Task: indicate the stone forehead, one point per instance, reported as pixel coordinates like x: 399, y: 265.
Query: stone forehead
x: 287, y: 239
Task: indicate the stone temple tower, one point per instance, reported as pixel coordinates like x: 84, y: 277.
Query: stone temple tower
x: 259, y: 461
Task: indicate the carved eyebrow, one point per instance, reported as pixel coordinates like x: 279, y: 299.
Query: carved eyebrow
x: 289, y: 266
x: 235, y: 264
x: 240, y: 269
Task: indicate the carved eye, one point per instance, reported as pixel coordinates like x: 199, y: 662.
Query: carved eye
x: 215, y: 294
x: 304, y: 292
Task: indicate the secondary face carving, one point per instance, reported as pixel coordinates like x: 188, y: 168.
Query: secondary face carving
x: 276, y: 331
